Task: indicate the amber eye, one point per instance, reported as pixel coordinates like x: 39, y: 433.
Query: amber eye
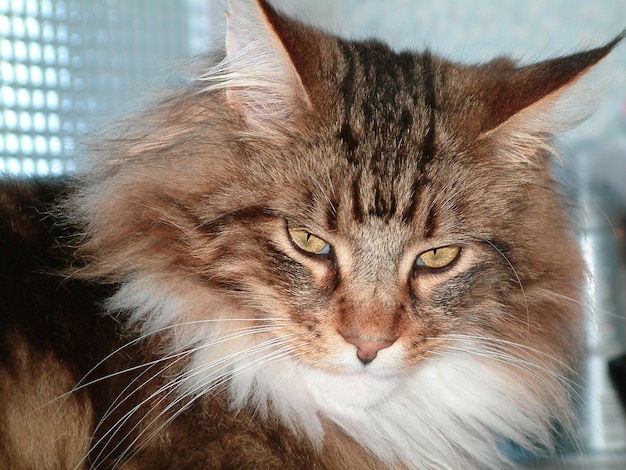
x: 308, y: 242
x: 439, y: 257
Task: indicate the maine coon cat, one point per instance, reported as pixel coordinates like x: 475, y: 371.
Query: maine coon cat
x: 319, y: 254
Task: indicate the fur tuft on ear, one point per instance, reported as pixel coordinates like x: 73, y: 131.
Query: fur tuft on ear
x: 261, y: 82
x: 540, y: 100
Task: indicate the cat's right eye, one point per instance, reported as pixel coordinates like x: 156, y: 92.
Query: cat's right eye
x: 439, y: 257
x: 308, y: 242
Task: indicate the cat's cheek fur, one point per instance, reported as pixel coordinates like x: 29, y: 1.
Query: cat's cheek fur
x: 444, y: 404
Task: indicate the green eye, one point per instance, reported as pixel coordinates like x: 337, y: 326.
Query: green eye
x: 439, y: 257
x: 308, y: 242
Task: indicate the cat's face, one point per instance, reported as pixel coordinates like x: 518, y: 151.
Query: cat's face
x: 336, y: 244
x: 371, y: 259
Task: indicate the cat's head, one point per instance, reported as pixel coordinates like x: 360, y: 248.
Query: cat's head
x: 370, y: 210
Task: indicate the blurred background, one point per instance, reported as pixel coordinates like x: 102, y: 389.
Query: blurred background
x: 68, y: 66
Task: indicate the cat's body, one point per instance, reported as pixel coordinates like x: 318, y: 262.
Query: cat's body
x: 322, y: 254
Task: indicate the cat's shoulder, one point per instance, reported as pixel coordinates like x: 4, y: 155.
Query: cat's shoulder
x: 26, y: 210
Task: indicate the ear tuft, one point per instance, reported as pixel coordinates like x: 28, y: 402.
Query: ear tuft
x: 261, y: 82
x: 535, y: 102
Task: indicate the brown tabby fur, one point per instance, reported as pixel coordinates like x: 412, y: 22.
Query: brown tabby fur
x: 378, y: 151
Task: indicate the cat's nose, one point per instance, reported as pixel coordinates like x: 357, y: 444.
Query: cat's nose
x: 367, y: 350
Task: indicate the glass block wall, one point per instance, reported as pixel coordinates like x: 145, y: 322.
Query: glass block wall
x: 36, y: 73
x: 67, y: 64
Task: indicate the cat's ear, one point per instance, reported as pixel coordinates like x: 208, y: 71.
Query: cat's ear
x: 261, y: 81
x: 527, y: 104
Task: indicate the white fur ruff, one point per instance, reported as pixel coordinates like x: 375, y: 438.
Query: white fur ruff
x: 450, y: 411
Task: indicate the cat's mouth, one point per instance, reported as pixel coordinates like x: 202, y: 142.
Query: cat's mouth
x: 362, y: 388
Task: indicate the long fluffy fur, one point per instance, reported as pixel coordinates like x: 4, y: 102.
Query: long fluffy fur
x: 222, y: 344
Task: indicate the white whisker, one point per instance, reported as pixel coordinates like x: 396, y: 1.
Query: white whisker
x: 234, y: 334
x: 489, y: 340
x: 171, y: 359
x: 204, y: 388
x: 502, y: 351
x: 82, y: 384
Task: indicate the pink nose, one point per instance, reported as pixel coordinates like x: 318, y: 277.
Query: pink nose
x: 367, y: 351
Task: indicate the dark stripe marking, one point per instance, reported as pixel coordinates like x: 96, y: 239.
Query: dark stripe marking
x: 432, y: 222
x: 331, y: 214
x: 357, y: 208
x: 246, y: 214
x: 416, y: 192
x: 346, y: 134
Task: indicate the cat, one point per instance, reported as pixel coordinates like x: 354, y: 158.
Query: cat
x: 320, y: 253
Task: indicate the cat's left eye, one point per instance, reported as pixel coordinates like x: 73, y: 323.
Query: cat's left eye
x: 439, y: 257
x: 308, y: 242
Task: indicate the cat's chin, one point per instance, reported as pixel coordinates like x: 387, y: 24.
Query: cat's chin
x: 360, y: 389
